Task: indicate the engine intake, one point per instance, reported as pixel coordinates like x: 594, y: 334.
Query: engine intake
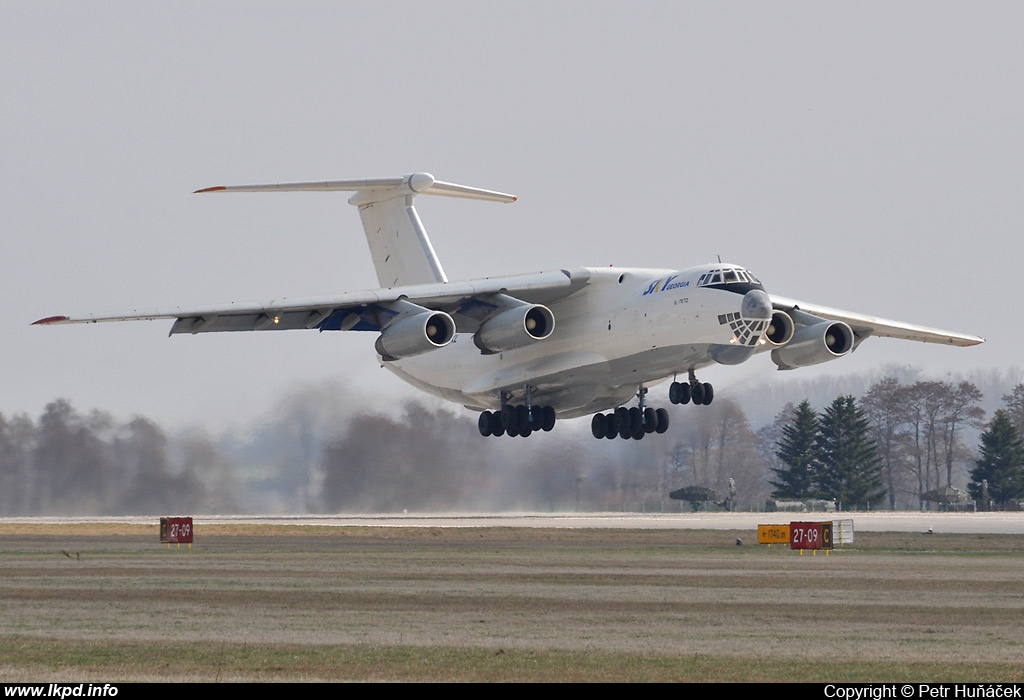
x: 781, y: 329
x: 515, y: 328
x: 416, y: 334
x: 812, y: 345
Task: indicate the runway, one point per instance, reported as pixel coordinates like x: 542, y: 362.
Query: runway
x: 964, y: 523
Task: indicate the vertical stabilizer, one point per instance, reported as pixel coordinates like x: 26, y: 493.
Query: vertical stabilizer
x: 399, y: 245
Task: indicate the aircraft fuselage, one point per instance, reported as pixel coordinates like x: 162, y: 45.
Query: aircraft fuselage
x: 628, y: 328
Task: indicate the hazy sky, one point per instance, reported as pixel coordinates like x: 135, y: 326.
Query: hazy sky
x: 866, y: 156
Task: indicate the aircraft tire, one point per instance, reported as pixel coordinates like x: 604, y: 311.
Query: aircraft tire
x: 537, y: 418
x: 709, y: 394
x: 662, y: 424
x: 610, y: 432
x: 597, y: 426
x: 636, y: 420
x: 485, y: 423
x: 697, y: 393
x: 621, y: 418
x: 685, y: 394
x: 508, y: 417
x: 549, y: 419
x: 650, y: 420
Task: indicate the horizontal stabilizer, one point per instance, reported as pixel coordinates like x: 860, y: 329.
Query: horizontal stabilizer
x: 401, y: 250
x: 376, y: 189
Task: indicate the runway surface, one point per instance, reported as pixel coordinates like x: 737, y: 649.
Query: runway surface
x: 995, y: 523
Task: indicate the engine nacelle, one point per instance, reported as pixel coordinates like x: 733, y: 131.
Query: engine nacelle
x: 514, y: 328
x: 416, y: 334
x: 781, y: 329
x: 812, y: 345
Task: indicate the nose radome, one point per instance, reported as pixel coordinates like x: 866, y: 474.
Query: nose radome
x: 756, y: 305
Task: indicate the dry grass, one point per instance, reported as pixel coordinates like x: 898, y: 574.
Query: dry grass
x: 322, y: 603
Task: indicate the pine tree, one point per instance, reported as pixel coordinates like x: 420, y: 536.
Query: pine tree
x: 850, y: 469
x: 797, y: 450
x: 1001, y: 462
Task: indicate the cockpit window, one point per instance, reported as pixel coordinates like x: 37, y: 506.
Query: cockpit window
x: 727, y: 275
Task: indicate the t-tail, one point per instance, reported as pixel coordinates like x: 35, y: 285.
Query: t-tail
x: 399, y: 245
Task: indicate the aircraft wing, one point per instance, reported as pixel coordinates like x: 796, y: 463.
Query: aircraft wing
x: 468, y: 302
x: 864, y: 326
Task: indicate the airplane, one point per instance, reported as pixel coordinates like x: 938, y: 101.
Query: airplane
x: 527, y: 350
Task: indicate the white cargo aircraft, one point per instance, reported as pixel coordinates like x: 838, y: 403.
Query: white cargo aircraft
x: 526, y: 349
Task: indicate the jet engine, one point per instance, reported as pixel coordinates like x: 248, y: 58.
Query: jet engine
x: 416, y: 334
x: 812, y: 345
x: 780, y: 330
x: 514, y: 328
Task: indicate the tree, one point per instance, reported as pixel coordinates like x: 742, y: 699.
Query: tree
x: 850, y: 469
x: 925, y: 403
x: 1001, y: 463
x: 887, y: 411
x: 961, y: 404
x: 384, y: 465
x: 71, y: 469
x: 799, y: 452
x: 1015, y: 407
x: 17, y: 437
x: 140, y: 458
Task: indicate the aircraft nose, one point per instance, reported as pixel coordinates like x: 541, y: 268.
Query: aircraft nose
x: 756, y: 305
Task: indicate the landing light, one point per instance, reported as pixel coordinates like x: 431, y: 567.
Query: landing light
x: 277, y: 319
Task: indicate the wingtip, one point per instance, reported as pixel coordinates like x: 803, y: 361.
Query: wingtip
x: 218, y: 188
x: 51, y: 319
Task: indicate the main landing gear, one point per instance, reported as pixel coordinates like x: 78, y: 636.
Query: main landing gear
x: 522, y: 420
x: 630, y: 423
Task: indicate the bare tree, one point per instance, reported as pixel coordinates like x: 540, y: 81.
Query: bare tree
x: 17, y: 440
x: 961, y: 409
x: 718, y: 445
x: 889, y: 413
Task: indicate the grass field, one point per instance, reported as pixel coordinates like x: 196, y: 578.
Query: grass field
x: 109, y: 603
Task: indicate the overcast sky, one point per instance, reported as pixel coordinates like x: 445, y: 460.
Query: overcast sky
x: 866, y: 156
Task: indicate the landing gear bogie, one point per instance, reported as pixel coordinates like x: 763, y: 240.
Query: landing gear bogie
x: 700, y: 393
x: 516, y: 421
x: 630, y: 423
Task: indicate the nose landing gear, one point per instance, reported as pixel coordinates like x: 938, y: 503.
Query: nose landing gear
x: 693, y: 390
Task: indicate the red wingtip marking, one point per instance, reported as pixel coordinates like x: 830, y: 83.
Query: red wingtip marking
x: 50, y: 319
x: 210, y: 189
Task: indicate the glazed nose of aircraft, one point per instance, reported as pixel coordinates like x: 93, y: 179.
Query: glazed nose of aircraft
x: 756, y: 305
